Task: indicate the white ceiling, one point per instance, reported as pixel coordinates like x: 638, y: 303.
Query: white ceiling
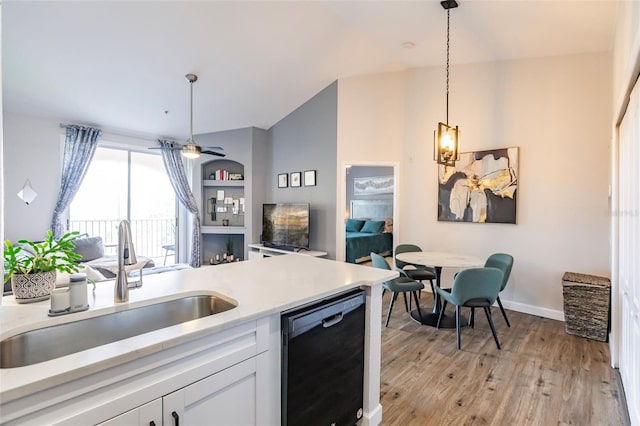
x: 121, y: 64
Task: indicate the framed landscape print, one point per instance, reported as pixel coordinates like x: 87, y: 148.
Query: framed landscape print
x: 482, y: 187
x: 373, y: 185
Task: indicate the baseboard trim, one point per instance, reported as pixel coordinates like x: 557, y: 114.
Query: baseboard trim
x: 523, y: 307
x: 534, y: 310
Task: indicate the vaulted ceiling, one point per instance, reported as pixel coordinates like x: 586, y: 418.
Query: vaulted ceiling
x: 121, y: 64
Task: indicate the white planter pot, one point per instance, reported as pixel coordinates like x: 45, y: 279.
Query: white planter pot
x: 28, y: 288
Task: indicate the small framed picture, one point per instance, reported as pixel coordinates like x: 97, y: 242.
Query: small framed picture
x: 310, y: 178
x: 282, y: 180
x: 228, y: 200
x: 221, y: 209
x: 296, y: 178
x: 220, y: 195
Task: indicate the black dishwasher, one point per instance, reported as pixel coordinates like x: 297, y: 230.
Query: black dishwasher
x: 323, y: 362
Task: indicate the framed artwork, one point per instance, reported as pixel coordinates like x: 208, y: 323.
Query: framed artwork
x: 310, y: 178
x: 480, y: 188
x: 296, y: 178
x: 282, y: 180
x: 220, y: 195
x: 373, y: 185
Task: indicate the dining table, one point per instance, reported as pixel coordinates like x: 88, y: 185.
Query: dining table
x: 438, y: 260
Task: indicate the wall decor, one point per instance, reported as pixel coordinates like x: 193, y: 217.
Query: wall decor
x: 282, y: 180
x: 220, y: 195
x: 310, y: 178
x: 481, y: 187
x: 296, y: 178
x: 373, y: 185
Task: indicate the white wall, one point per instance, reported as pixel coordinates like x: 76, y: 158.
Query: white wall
x: 33, y: 150
x: 371, y: 117
x: 557, y: 110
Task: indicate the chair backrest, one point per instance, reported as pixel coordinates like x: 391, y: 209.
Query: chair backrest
x: 502, y: 261
x: 404, y: 248
x: 379, y: 262
x: 476, y: 283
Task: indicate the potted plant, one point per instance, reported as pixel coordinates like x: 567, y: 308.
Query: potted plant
x: 32, y: 267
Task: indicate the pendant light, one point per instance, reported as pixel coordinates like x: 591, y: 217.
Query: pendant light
x: 447, y: 138
x: 190, y: 149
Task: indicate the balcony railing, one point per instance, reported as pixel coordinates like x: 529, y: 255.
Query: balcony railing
x: 154, y: 238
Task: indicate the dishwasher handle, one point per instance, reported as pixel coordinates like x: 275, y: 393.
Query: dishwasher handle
x: 332, y: 320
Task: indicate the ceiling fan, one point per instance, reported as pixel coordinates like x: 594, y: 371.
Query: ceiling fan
x: 191, y: 149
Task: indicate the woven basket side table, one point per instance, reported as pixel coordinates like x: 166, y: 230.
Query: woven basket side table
x: 586, y: 305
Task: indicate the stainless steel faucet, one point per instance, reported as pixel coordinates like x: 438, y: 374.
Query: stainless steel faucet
x: 126, y: 256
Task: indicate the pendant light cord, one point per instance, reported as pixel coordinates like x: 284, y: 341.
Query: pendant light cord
x: 447, y: 121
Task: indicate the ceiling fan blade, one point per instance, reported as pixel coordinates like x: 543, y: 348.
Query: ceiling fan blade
x: 175, y: 148
x: 218, y: 154
x: 213, y: 148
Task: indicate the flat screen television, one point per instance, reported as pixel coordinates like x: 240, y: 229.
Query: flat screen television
x: 286, y: 225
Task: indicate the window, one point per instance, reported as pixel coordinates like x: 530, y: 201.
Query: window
x: 127, y: 185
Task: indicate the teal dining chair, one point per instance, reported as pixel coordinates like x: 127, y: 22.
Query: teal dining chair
x: 473, y: 288
x: 398, y: 285
x: 504, y: 262
x: 415, y: 272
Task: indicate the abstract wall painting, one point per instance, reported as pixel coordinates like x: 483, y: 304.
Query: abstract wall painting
x: 481, y: 187
x: 373, y: 185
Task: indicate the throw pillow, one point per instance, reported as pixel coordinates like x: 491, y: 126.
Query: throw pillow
x: 373, y: 226
x: 354, y: 225
x: 89, y: 248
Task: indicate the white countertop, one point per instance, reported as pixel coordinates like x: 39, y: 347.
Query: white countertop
x: 260, y: 287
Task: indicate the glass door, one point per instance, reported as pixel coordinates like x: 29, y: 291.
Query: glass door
x: 128, y: 185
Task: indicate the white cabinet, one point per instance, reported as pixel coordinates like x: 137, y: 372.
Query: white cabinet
x: 225, y: 399
x: 147, y: 415
x: 629, y: 253
x: 220, y: 378
x: 258, y: 251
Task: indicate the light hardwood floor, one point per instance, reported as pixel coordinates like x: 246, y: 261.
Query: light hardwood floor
x: 542, y: 376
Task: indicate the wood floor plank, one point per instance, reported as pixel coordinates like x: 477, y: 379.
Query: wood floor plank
x: 542, y: 376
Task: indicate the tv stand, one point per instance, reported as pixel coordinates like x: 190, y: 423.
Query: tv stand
x: 258, y: 251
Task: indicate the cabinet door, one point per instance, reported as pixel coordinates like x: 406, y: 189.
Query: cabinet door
x: 225, y: 398
x: 149, y: 414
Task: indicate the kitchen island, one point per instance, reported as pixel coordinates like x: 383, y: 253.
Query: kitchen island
x: 231, y: 360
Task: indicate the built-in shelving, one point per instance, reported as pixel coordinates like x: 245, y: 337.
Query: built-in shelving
x: 222, y: 229
x: 223, y: 183
x: 223, y: 209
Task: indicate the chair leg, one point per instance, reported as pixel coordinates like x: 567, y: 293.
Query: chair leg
x: 472, y: 317
x: 416, y: 297
x: 433, y: 289
x: 504, y: 314
x: 439, y: 318
x: 406, y: 305
x: 458, y: 326
x: 393, y: 299
x: 444, y: 305
x: 487, y: 311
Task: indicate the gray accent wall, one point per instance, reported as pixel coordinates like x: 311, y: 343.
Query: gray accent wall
x: 304, y: 140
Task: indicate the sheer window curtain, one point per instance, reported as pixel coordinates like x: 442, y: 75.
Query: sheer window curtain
x: 175, y: 169
x: 79, y: 146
